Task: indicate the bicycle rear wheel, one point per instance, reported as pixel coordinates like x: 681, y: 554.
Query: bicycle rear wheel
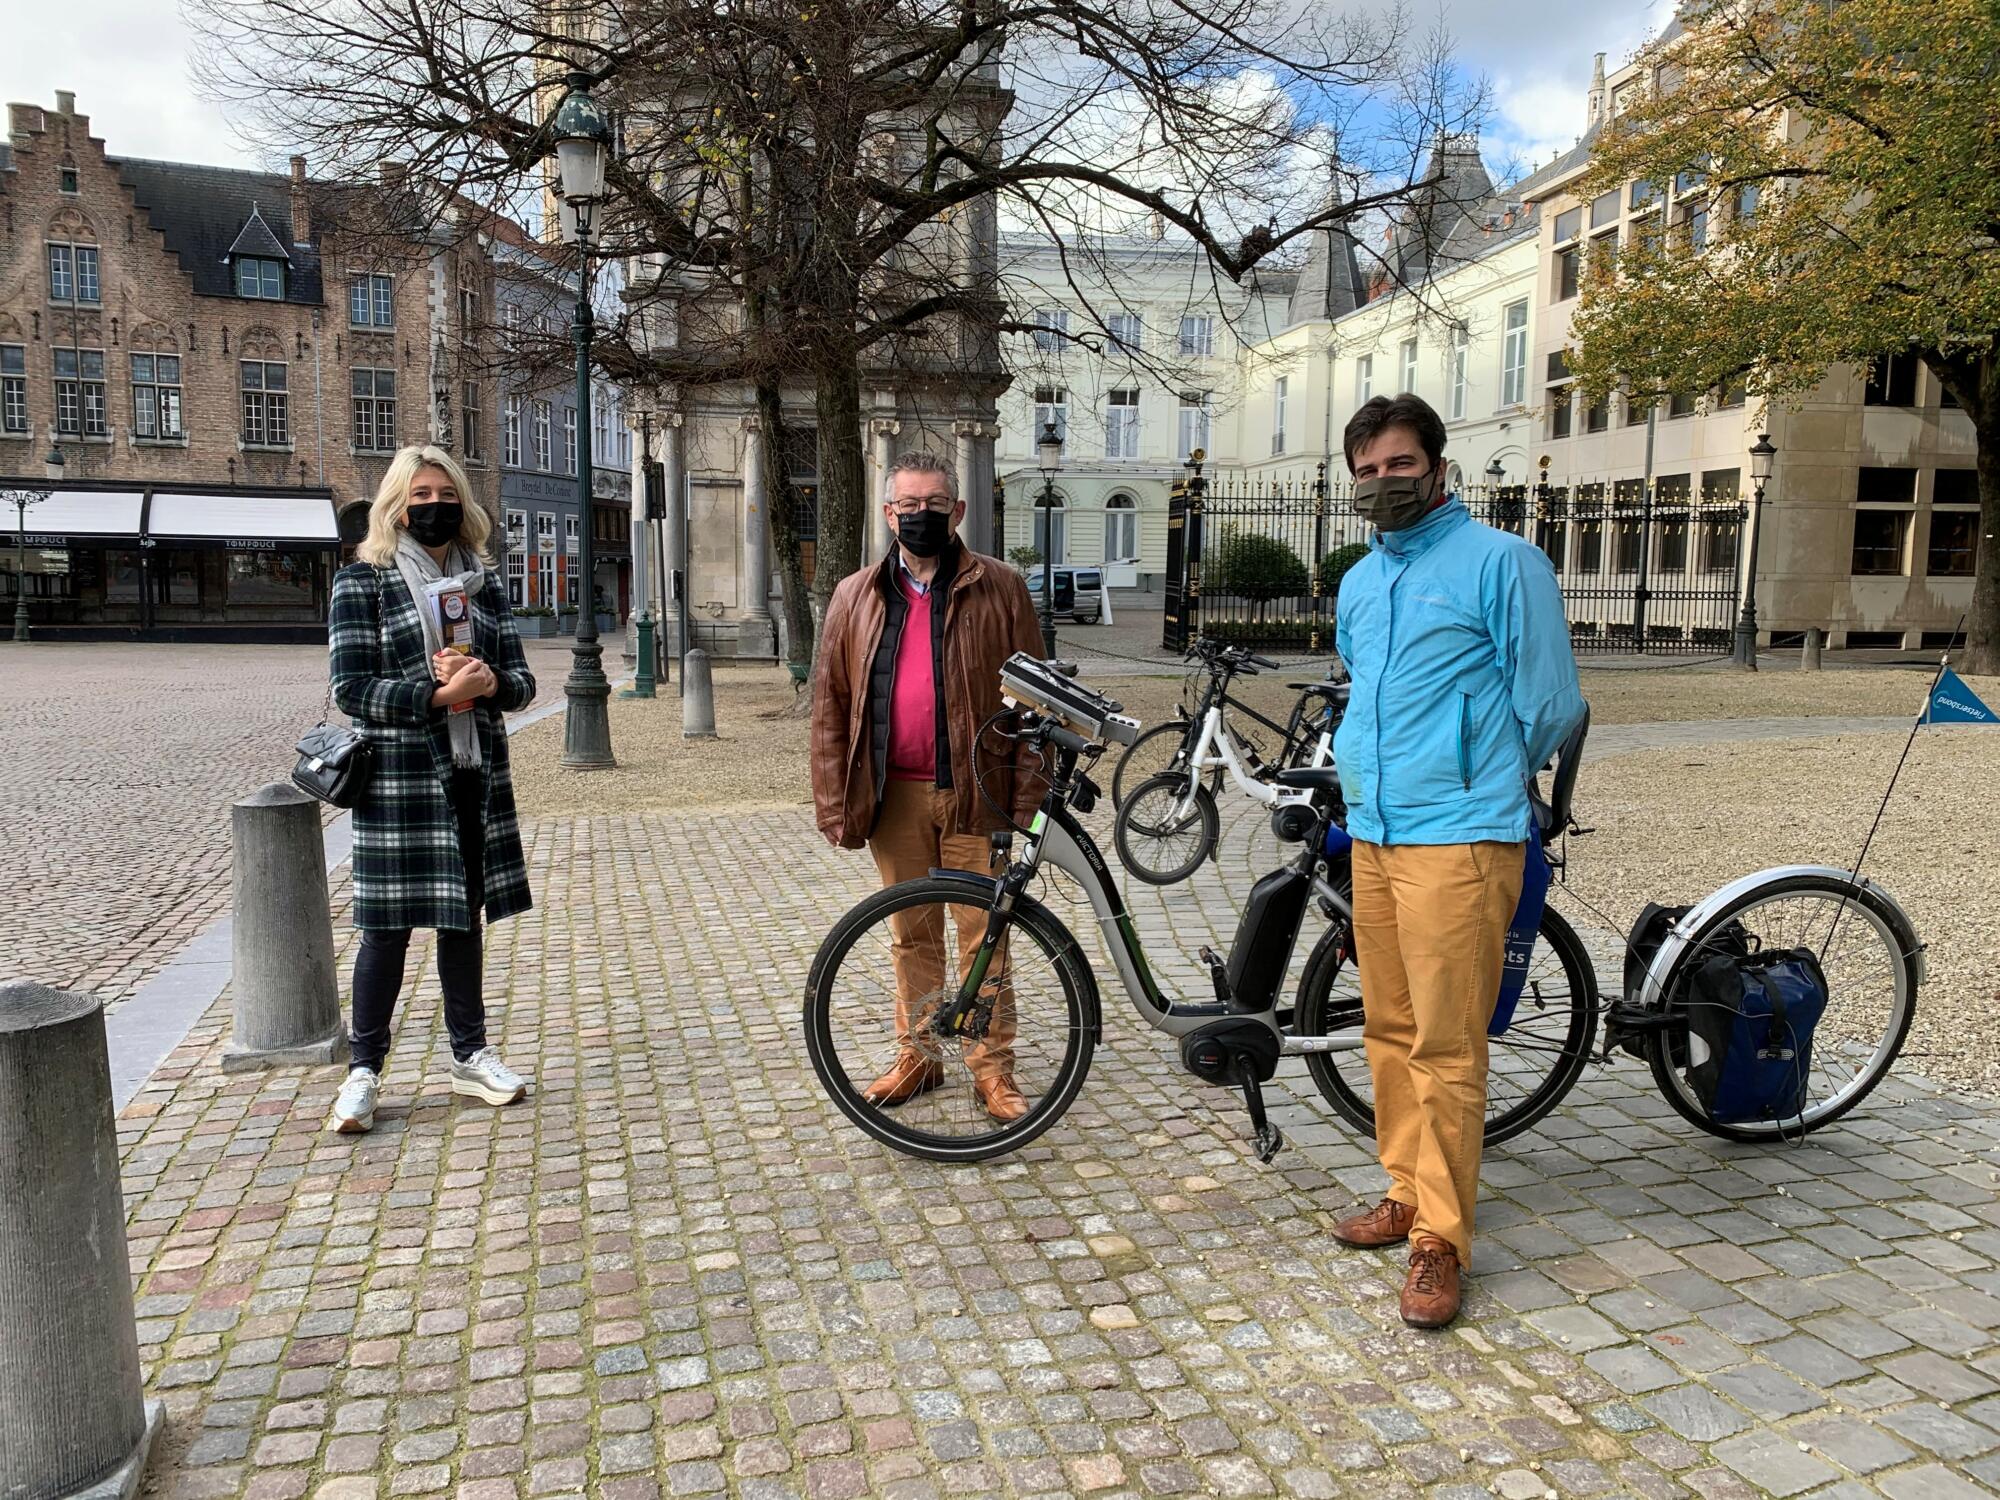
x: 1871, y: 967
x: 1530, y: 1066
x: 1163, y: 833
x: 880, y: 979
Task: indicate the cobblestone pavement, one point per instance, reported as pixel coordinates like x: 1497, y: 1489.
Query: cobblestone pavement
x: 676, y: 1271
x: 118, y: 764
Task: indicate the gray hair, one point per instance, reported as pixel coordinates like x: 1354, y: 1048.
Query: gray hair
x: 918, y: 463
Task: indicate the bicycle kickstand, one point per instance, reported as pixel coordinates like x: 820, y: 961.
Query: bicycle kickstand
x: 1270, y: 1140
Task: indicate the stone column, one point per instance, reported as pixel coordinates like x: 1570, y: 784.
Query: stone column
x: 975, y: 483
x: 673, y: 467
x: 756, y: 526
x: 884, y: 431
x: 642, y: 540
x: 73, y: 1421
x: 287, y: 995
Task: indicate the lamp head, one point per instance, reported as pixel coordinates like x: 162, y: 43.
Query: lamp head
x: 1048, y: 448
x: 582, y: 138
x: 53, y: 464
x: 1762, y: 453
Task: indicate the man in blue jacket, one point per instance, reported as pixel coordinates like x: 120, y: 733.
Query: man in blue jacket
x: 1464, y: 685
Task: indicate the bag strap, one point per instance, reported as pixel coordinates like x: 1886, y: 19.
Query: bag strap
x: 1780, y: 1026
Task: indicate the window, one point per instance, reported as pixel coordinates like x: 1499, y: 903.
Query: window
x: 1052, y: 405
x: 1364, y: 379
x: 1558, y: 395
x: 1569, y: 271
x: 1569, y: 224
x: 73, y: 274
x: 572, y: 566
x: 262, y: 279
x: 1052, y: 517
x: 370, y: 302
x: 540, y: 435
x: 266, y: 419
x: 1637, y: 409
x: 1589, y: 528
x: 1627, y: 526
x: 1604, y: 252
x: 1885, y: 486
x: 1721, y: 486
x: 1689, y: 180
x: 1878, y: 542
x: 1514, y: 355
x: 1197, y: 336
x: 510, y: 431
x: 545, y: 577
x: 1126, y: 332
x: 600, y: 428
x: 1192, y: 433
x: 80, y: 392
x: 572, y: 535
x: 1892, y: 381
x: 1121, y: 529
x: 468, y: 313
x: 1955, y: 487
x: 569, y: 440
x: 1954, y: 543
x: 517, y: 575
x: 1121, y: 424
x: 1597, y: 415
x: 1051, y: 323
x: 375, y: 410
x: 1406, y: 376
x: 1731, y: 395
x: 1279, y: 394
x: 1459, y: 338
x: 13, y: 388
x: 471, y: 421
x: 1642, y: 195
x: 1604, y: 209
x: 1746, y: 202
x: 66, y: 180
x: 1694, y: 224
x: 156, y: 397
x: 1680, y: 404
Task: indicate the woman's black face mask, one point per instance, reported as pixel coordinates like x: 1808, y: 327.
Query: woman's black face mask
x: 435, y: 523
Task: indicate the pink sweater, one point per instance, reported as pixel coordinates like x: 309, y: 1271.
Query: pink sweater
x: 913, y: 694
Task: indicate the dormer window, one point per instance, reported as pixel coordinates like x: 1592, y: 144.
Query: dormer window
x: 264, y: 279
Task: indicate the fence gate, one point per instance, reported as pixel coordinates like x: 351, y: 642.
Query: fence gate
x: 1181, y: 622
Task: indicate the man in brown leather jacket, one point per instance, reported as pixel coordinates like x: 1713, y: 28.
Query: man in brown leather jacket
x: 909, y: 669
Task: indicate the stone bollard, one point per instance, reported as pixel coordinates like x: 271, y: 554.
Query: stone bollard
x: 1809, y: 652
x: 73, y: 1419
x: 697, y: 697
x: 287, y: 999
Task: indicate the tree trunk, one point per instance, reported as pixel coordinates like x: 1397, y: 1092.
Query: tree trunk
x: 843, y: 499
x: 1982, y: 643
x: 799, y: 632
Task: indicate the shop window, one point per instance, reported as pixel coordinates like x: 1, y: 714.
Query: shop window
x: 271, y: 580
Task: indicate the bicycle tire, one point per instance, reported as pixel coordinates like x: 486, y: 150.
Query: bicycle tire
x: 1312, y: 1007
x: 1890, y: 923
x: 1172, y: 787
x: 1030, y: 918
x: 1132, y: 765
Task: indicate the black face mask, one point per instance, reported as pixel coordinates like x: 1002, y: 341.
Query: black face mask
x: 925, y: 534
x: 434, y: 523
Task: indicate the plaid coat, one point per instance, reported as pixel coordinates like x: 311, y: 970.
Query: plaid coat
x: 407, y: 869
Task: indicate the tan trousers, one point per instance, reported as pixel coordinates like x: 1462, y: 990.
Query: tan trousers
x: 1430, y: 927
x: 911, y: 839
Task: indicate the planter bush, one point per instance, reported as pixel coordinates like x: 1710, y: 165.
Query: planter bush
x: 1333, y: 567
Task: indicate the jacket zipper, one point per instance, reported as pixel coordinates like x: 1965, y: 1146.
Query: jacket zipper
x: 1388, y: 656
x: 1465, y: 738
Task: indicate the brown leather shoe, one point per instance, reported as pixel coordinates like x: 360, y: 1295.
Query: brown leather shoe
x: 1002, y: 1100
x: 910, y: 1075
x: 1387, y: 1223
x: 1430, y: 1296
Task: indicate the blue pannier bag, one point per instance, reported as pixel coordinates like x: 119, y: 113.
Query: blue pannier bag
x: 1521, y: 934
x: 1750, y: 1020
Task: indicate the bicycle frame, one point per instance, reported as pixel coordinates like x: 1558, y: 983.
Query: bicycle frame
x: 1215, y: 745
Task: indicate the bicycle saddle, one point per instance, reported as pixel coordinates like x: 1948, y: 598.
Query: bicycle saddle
x: 1552, y: 815
x: 1310, y: 778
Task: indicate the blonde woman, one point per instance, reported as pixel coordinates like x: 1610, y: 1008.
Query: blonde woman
x: 435, y: 841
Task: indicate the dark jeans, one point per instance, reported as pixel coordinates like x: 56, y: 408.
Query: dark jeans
x: 378, y: 968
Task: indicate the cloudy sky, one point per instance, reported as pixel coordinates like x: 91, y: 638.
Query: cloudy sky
x: 126, y: 61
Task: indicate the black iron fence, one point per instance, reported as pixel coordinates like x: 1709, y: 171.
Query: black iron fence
x: 1258, y: 559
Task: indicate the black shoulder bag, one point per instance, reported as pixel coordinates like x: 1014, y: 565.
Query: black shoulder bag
x: 334, y: 761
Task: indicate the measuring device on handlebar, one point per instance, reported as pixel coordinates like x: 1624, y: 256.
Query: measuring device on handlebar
x: 1050, y: 688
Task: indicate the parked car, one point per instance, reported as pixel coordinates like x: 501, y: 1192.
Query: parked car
x: 1079, y: 592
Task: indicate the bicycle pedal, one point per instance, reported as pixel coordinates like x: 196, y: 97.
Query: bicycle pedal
x: 1270, y: 1141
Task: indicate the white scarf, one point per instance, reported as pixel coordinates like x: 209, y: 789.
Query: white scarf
x: 419, y: 568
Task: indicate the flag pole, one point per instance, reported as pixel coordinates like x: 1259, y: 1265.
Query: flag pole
x: 1944, y: 661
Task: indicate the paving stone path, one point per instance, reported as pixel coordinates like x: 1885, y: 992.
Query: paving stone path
x: 676, y: 1271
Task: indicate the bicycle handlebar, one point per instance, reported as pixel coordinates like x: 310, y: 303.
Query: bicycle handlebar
x: 1076, y: 744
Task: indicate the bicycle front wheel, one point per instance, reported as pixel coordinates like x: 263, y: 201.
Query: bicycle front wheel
x: 1530, y: 1066
x: 1869, y: 957
x: 877, y: 986
x: 1164, y: 831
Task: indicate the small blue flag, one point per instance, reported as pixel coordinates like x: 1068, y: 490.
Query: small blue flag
x: 1952, y: 702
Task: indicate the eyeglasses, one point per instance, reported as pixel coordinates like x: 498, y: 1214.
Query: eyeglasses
x: 911, y: 505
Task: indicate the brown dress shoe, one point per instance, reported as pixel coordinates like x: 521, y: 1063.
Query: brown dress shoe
x: 1430, y: 1296
x: 910, y: 1075
x: 1387, y: 1223
x: 1002, y: 1100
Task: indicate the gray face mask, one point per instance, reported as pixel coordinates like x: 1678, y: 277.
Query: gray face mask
x: 1395, y: 501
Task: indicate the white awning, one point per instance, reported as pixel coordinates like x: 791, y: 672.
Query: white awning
x: 253, y: 520
x: 77, y: 513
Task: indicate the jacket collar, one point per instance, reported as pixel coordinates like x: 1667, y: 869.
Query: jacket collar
x: 1415, y: 541
x: 960, y: 566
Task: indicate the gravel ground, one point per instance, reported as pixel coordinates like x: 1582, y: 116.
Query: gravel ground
x: 1672, y: 825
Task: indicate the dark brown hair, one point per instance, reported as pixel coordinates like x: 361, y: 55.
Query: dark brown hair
x: 1383, y: 412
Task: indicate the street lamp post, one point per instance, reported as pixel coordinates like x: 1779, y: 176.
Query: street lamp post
x: 1048, y: 458
x: 582, y: 138
x: 1762, y: 452
x: 21, y: 500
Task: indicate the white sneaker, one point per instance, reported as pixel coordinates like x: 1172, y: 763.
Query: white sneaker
x: 354, y: 1106
x: 484, y: 1076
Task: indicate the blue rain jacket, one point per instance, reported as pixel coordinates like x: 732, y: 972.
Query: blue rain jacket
x: 1464, y: 682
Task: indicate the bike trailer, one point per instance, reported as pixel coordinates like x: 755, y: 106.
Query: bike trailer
x: 1521, y: 933
x: 1750, y: 1020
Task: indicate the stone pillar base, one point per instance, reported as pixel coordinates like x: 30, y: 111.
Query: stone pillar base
x: 331, y: 1049
x: 122, y: 1483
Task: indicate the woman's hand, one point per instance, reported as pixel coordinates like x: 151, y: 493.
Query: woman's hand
x: 480, y: 677
x: 458, y: 688
x: 448, y: 664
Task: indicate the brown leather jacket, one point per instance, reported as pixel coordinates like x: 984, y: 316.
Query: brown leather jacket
x: 987, y: 618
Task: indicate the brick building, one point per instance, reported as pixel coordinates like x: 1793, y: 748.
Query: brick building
x: 225, y: 361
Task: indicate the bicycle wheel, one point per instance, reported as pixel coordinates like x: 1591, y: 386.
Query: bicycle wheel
x: 881, y: 976
x: 1158, y: 749
x: 1530, y: 1067
x: 1870, y: 962
x: 1161, y: 833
